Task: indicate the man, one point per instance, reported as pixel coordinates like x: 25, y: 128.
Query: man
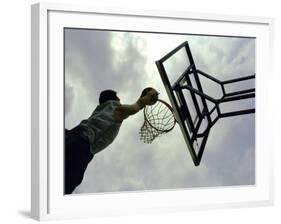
x: 97, y: 132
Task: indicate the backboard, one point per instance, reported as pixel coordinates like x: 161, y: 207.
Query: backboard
x: 195, y: 111
x: 190, y: 108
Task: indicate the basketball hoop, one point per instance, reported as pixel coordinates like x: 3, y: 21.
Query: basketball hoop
x: 158, y: 119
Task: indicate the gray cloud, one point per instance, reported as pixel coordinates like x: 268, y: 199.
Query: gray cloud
x: 68, y: 98
x: 89, y: 59
x: 235, y: 48
x: 234, y: 161
x: 224, y: 57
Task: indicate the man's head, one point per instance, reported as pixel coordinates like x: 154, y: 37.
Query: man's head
x: 107, y: 95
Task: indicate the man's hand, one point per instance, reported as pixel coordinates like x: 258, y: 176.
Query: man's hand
x: 150, y: 98
x: 124, y: 111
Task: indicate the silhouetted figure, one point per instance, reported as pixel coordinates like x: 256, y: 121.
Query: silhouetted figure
x: 97, y: 132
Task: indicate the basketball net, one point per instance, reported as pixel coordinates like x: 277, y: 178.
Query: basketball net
x: 158, y: 119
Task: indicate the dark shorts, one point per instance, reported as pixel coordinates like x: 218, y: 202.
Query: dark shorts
x: 77, y: 156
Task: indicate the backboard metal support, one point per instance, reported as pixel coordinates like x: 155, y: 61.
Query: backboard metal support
x: 191, y: 128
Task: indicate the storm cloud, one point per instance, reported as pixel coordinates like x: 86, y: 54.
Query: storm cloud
x: 91, y: 56
x: 68, y: 98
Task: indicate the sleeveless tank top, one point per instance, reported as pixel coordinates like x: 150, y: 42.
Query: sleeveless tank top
x: 101, y: 128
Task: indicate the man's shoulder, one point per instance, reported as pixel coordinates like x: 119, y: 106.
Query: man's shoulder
x: 106, y: 109
x: 111, y: 104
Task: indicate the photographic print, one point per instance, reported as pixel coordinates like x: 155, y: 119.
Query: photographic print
x: 113, y: 82
x: 139, y: 111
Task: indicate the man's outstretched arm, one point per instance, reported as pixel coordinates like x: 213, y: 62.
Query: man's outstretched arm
x: 124, y: 111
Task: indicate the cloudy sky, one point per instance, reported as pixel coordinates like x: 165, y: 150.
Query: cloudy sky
x: 125, y: 61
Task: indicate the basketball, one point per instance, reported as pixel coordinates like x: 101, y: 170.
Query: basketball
x: 153, y: 97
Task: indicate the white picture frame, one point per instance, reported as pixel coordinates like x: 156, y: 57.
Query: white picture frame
x: 48, y: 201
